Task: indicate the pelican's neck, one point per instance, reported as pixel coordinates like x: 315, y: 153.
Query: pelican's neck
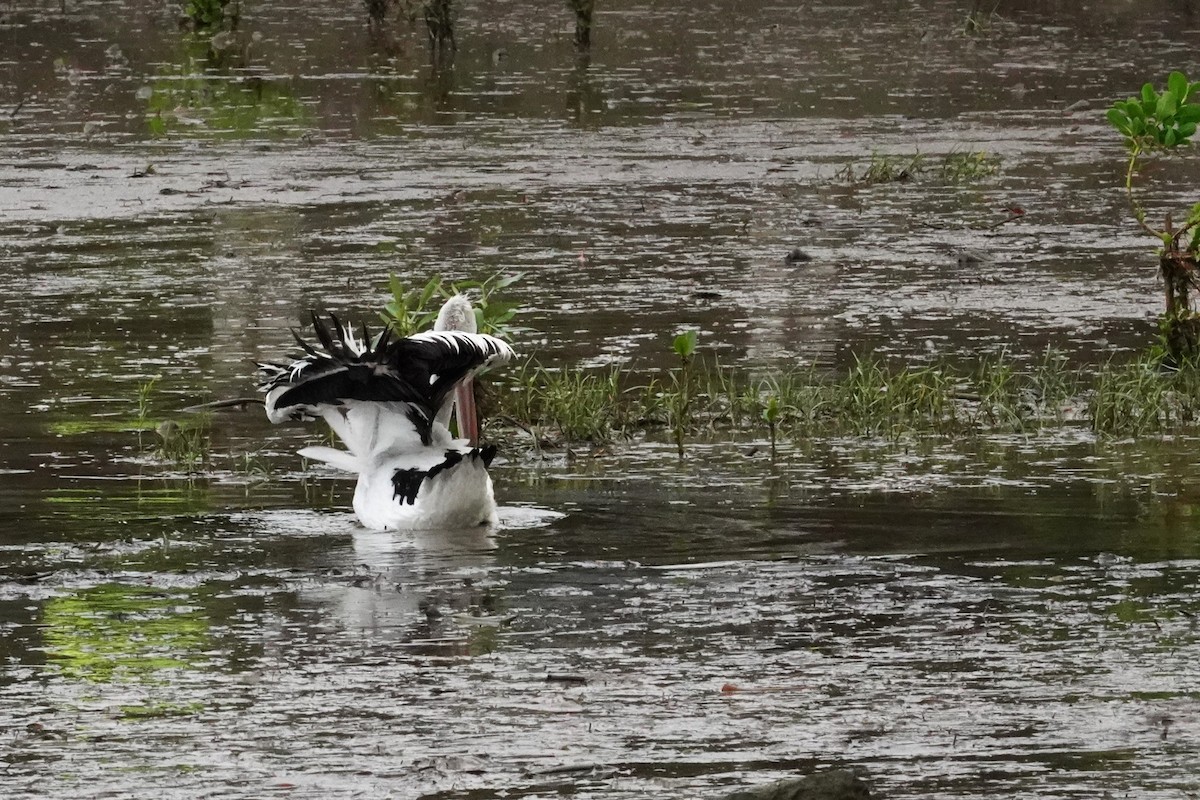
x: 457, y: 314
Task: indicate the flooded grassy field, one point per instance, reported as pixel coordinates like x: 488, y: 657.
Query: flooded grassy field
x: 993, y: 615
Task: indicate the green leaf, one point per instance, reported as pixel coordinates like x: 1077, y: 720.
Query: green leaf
x: 1119, y: 119
x: 432, y: 287
x: 1166, y: 106
x: 771, y: 412
x: 506, y: 281
x: 1188, y: 113
x: 1148, y: 94
x: 497, y: 307
x: 1186, y: 131
x: 1170, y: 138
x: 685, y: 344
x: 1177, y: 84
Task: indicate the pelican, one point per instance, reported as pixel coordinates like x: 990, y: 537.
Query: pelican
x: 390, y: 402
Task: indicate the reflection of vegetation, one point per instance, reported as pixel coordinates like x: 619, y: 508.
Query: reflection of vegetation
x: 440, y: 18
x: 91, y: 505
x: 981, y: 17
x: 1130, y: 612
x: 483, y: 640
x: 1159, y: 122
x: 115, y: 632
x: 81, y: 427
x: 209, y: 14
x: 191, y: 100
x: 584, y: 10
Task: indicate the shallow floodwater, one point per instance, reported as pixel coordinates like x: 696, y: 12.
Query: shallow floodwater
x: 995, y: 616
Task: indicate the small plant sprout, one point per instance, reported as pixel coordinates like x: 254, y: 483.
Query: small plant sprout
x: 679, y: 399
x: 771, y: 413
x: 1157, y: 122
x: 145, y: 399
x: 684, y: 346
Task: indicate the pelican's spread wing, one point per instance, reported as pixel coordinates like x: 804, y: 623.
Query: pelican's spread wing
x: 419, y: 371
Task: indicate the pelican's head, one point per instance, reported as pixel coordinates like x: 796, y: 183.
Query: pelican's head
x: 457, y: 314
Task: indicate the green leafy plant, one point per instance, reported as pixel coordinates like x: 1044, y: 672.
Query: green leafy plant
x: 1157, y: 122
x: 409, y: 311
x: 184, y: 446
x: 1157, y: 119
x: 413, y: 309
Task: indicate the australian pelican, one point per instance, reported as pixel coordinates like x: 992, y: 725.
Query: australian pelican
x: 389, y: 401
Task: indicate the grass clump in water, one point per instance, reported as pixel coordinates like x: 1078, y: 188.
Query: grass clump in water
x: 955, y: 167
x: 1144, y: 397
x: 969, y: 165
x: 184, y: 446
x: 998, y: 394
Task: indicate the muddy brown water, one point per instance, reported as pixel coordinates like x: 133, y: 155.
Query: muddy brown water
x: 998, y: 616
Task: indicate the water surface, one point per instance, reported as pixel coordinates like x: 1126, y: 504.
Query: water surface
x: 995, y: 616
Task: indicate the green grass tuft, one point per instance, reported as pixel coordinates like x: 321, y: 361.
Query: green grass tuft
x: 998, y: 394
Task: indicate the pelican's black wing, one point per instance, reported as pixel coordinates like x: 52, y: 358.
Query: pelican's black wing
x: 419, y: 370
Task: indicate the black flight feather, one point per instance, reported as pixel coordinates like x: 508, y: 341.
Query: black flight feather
x: 420, y: 370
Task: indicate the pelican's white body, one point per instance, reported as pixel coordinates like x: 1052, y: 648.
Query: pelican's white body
x: 380, y: 440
